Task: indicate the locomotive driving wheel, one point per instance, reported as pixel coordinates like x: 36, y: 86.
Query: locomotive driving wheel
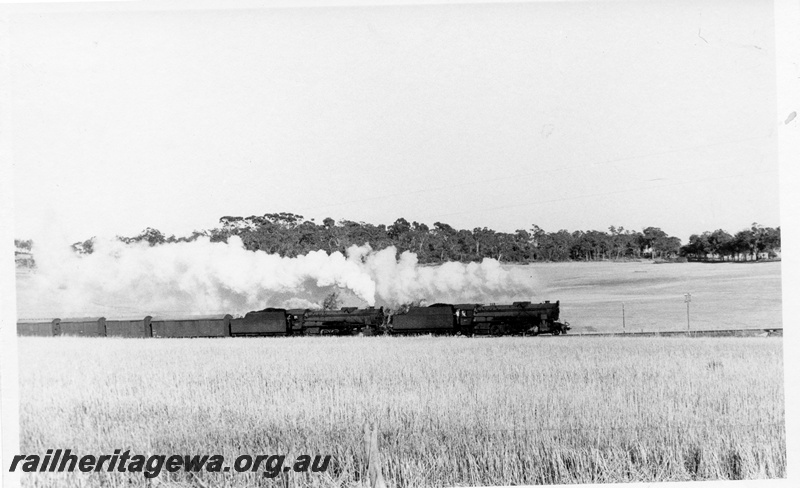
x: 497, y: 329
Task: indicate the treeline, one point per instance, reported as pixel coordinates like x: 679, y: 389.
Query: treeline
x: 23, y: 256
x: 289, y: 234
x: 23, y: 245
x: 752, y: 243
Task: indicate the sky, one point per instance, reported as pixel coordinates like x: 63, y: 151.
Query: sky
x: 567, y: 115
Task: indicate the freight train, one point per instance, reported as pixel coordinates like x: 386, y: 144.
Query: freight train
x: 519, y: 318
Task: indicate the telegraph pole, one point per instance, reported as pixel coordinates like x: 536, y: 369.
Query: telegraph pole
x: 688, y: 300
x: 623, y: 317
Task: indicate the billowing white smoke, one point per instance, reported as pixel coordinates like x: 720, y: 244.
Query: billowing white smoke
x: 203, y: 277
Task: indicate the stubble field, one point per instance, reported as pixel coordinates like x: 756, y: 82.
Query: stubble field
x: 450, y: 411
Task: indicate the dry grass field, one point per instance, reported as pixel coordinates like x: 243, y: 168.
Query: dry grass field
x: 451, y: 411
x: 724, y: 295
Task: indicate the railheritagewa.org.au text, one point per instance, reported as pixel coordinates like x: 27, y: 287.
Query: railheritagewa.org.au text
x: 63, y: 460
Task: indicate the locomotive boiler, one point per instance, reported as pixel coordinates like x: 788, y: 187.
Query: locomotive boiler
x: 519, y: 318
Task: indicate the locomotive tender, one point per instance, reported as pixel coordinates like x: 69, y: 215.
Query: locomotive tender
x: 519, y: 318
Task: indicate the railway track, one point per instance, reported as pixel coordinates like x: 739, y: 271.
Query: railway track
x: 767, y: 332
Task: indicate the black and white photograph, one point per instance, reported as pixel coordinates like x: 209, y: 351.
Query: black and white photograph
x: 396, y: 244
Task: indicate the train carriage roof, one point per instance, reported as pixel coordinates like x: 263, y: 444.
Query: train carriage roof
x: 37, y: 321
x: 162, y: 318
x: 72, y: 320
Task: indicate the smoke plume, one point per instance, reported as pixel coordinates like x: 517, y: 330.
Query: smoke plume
x: 201, y: 277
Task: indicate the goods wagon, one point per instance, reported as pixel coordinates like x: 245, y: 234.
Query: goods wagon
x: 36, y: 327
x: 84, y: 327
x: 518, y: 318
x: 348, y: 320
x: 199, y: 326
x: 129, y: 328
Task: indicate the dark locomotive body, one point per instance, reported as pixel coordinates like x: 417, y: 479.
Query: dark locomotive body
x: 346, y: 321
x: 521, y: 318
x: 282, y: 322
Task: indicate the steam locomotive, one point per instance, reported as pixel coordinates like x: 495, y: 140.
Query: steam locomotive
x: 519, y: 318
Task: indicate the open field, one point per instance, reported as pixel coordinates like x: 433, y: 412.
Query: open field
x: 724, y: 295
x: 450, y: 411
